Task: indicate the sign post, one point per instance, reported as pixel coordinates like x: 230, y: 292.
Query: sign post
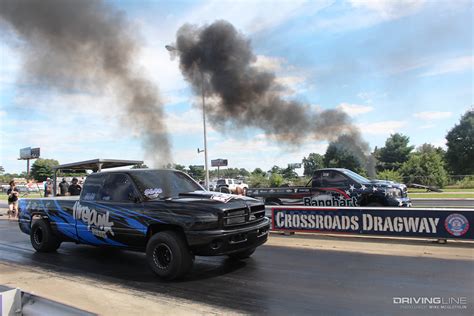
x: 219, y: 163
x: 28, y: 153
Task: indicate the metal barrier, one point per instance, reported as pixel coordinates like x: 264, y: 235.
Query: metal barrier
x: 388, y: 221
x: 17, y: 302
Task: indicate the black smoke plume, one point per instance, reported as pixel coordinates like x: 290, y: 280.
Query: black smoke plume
x: 88, y: 45
x: 247, y: 95
x: 218, y: 60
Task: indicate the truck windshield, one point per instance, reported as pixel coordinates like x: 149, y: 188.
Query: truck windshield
x: 155, y: 184
x: 355, y: 176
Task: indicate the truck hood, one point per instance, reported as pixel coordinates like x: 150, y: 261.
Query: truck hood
x: 207, y: 201
x: 387, y: 184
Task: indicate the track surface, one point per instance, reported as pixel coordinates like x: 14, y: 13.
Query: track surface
x: 276, y: 280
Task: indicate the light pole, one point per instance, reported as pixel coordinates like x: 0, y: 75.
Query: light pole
x: 171, y: 49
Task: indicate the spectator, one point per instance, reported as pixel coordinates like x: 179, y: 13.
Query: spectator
x: 63, y: 187
x: 74, y: 188
x: 48, y: 187
x: 12, y: 200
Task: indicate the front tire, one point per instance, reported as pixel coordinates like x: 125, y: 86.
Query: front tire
x: 242, y: 254
x: 42, y: 237
x: 168, y: 255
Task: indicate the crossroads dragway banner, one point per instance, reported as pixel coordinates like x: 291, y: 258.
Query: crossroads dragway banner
x: 403, y: 222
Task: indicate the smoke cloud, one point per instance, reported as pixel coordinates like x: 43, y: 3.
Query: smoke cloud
x: 247, y: 95
x: 88, y: 45
x: 218, y: 60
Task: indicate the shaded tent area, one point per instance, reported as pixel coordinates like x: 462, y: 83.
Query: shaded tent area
x: 96, y: 165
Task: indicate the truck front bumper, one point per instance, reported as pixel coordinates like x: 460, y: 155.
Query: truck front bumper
x: 224, y: 242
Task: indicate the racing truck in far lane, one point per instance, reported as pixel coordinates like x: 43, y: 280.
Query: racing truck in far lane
x: 162, y: 212
x: 336, y: 187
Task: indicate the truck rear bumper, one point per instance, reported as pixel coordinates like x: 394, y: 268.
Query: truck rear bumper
x: 223, y: 242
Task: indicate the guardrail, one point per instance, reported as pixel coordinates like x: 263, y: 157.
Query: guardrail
x: 388, y: 221
x: 17, y: 302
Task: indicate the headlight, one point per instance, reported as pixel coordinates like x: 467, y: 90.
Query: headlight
x: 394, y: 193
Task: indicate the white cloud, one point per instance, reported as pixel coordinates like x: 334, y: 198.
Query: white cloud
x: 354, y: 109
x: 427, y: 126
x: 381, y: 128
x: 453, y: 65
x: 432, y: 115
x: 389, y: 9
x: 252, y: 16
x: 268, y: 63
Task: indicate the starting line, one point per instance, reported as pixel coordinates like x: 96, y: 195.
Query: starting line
x: 388, y: 221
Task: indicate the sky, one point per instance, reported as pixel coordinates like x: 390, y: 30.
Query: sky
x: 394, y: 66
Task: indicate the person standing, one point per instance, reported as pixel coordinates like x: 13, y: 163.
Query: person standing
x: 63, y: 187
x: 48, y: 187
x: 12, y: 200
x: 74, y: 188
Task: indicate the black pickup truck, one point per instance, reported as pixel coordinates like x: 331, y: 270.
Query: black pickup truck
x: 336, y: 187
x: 163, y: 212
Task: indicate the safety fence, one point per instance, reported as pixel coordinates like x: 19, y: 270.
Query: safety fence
x: 387, y: 221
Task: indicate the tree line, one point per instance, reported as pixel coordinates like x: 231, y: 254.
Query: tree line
x: 397, y: 160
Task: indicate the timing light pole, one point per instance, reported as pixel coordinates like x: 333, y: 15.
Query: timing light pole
x: 172, y: 49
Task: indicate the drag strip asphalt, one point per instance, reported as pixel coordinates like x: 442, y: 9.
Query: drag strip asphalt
x: 277, y: 280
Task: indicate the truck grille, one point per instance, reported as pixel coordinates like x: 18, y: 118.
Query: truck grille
x: 244, y: 216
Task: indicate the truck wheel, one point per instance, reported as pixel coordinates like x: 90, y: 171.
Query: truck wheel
x: 242, y: 254
x: 168, y: 255
x: 224, y: 190
x: 375, y: 204
x: 42, y: 237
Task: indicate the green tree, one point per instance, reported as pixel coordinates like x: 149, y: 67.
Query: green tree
x: 340, y: 157
x: 395, y: 152
x: 276, y: 180
x: 391, y: 175
x: 258, y: 180
x: 258, y: 171
x: 43, y: 168
x: 425, y: 167
x: 289, y: 174
x: 197, y: 172
x: 312, y: 163
x: 460, y: 143
x: 179, y: 167
x: 142, y: 166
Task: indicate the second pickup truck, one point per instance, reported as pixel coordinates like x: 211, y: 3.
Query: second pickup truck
x: 337, y: 187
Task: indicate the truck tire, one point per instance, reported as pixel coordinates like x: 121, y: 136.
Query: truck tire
x: 242, y: 254
x: 375, y: 204
x: 42, y: 237
x: 168, y: 255
x: 224, y: 190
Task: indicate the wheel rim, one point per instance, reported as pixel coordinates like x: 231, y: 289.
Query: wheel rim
x: 162, y: 256
x: 38, y: 236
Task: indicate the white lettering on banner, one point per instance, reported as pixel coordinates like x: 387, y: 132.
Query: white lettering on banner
x: 97, y: 224
x: 400, y: 224
x: 369, y: 223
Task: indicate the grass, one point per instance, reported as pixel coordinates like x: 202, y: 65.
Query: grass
x: 442, y: 195
x: 412, y: 190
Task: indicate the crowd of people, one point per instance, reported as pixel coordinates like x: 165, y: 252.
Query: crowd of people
x: 64, y: 187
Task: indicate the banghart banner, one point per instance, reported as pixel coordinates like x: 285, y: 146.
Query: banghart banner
x: 407, y: 222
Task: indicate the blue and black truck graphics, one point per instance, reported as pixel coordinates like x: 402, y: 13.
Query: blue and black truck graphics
x: 163, y: 212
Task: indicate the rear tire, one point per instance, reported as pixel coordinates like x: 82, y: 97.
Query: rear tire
x: 375, y: 204
x: 242, y: 254
x: 168, y: 255
x: 42, y: 237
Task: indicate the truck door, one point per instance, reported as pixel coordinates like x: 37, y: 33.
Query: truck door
x: 122, y: 211
x: 330, y: 188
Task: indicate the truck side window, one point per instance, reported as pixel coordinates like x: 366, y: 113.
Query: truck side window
x: 92, y: 186
x: 317, y: 180
x: 118, y: 187
x: 334, y: 179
